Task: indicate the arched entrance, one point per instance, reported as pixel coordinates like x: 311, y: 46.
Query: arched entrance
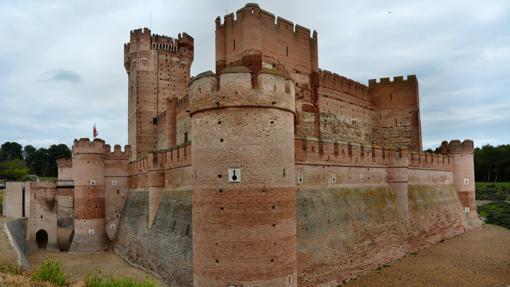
x: 41, y: 237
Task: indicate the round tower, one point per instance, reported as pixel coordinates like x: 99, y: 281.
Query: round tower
x: 463, y: 172
x: 244, y: 201
x: 89, y: 196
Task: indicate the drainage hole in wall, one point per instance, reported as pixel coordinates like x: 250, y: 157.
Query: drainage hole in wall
x: 219, y: 122
x: 274, y: 244
x: 272, y: 260
x: 274, y: 207
x: 222, y: 208
x: 221, y: 190
x: 41, y: 216
x: 217, y: 261
x: 219, y: 175
x: 272, y: 122
x: 274, y: 225
x: 221, y: 140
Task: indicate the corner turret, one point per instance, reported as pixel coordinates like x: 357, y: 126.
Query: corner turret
x: 89, y: 196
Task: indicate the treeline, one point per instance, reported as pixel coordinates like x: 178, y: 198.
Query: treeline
x: 18, y: 162
x: 492, y: 163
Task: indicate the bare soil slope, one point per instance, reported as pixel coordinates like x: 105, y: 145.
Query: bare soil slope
x: 8, y: 255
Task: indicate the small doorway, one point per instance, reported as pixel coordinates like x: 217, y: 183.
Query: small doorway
x: 41, y: 237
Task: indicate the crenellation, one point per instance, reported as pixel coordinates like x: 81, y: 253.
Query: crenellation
x: 456, y: 146
x: 267, y: 18
x: 334, y: 81
x: 395, y: 80
x: 308, y: 151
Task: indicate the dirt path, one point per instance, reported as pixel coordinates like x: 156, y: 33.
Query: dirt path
x: 476, y: 258
x: 77, y: 266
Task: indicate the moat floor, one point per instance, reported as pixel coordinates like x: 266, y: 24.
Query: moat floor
x: 476, y: 258
x: 77, y: 266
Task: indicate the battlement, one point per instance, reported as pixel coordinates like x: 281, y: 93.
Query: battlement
x: 396, y: 80
x: 117, y: 152
x: 349, y: 154
x: 160, y: 42
x: 235, y: 88
x: 334, y: 81
x: 273, y: 40
x: 183, y: 45
x: 138, y: 34
x: 252, y: 9
x: 84, y: 145
x: 456, y: 146
x: 430, y: 160
x: 175, y: 157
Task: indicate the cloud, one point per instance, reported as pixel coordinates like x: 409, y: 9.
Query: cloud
x: 63, y: 70
x: 62, y: 76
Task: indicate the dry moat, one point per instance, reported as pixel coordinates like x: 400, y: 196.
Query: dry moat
x: 476, y: 258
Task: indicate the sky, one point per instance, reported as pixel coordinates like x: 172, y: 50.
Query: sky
x: 61, y: 62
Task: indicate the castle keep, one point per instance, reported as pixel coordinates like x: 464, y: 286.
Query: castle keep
x: 268, y: 172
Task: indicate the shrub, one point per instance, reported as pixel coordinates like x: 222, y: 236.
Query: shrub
x: 496, y: 213
x: 50, y: 271
x: 97, y: 280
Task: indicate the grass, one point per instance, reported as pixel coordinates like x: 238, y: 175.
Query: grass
x: 1, y: 202
x: 496, y: 213
x: 492, y: 190
x: 51, y: 271
x: 97, y: 280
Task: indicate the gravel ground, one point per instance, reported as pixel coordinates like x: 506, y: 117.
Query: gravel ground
x: 476, y: 258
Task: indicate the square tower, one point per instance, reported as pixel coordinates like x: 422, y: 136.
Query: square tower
x: 158, y: 68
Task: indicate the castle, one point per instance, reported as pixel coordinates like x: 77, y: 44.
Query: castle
x: 269, y: 172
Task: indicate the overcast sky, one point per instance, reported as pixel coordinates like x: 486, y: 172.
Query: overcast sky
x: 61, y: 62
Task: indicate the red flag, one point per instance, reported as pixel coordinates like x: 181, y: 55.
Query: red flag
x: 94, y: 131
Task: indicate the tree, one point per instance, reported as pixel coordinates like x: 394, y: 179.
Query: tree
x: 40, y: 162
x: 13, y: 170
x: 56, y: 152
x: 10, y: 151
x: 492, y: 163
x: 28, y: 155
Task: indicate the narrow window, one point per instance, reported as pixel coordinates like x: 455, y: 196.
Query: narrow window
x: 234, y: 44
x: 395, y: 122
x: 287, y: 50
x: 185, y: 137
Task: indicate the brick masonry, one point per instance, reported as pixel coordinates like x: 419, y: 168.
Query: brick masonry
x: 330, y: 177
